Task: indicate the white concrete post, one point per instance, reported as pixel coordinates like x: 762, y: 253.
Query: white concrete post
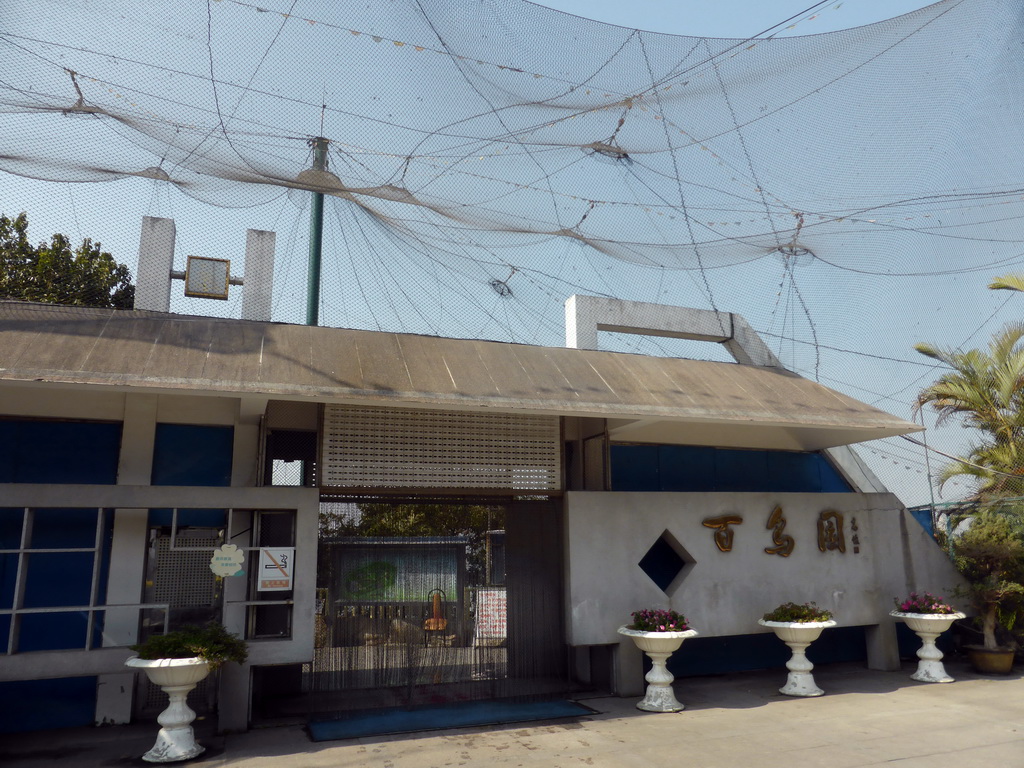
x: 629, y: 670
x: 246, y: 448
x: 259, y: 274
x: 882, y: 646
x: 127, y: 556
x: 580, y: 327
x: 156, y: 260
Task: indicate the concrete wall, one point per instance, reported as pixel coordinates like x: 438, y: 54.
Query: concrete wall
x: 725, y: 593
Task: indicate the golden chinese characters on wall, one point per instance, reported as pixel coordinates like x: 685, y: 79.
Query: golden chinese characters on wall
x: 831, y: 536
x: 783, y: 543
x: 723, y: 531
x: 830, y: 531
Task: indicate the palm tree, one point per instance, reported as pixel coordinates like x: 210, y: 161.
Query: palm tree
x: 1011, y: 282
x: 995, y: 468
x: 984, y: 389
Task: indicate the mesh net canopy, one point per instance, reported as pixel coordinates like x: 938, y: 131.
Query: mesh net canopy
x: 849, y: 193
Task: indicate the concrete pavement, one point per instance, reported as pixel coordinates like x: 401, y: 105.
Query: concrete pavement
x: 866, y: 718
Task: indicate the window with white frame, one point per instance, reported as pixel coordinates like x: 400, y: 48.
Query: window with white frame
x: 53, y: 571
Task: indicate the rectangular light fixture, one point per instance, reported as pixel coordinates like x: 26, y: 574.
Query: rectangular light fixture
x: 207, y: 278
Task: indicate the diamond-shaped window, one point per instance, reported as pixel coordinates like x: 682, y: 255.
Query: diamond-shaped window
x: 665, y: 561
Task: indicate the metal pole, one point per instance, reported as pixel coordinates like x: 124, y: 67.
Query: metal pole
x: 316, y: 237
x: 931, y: 488
x: 931, y: 491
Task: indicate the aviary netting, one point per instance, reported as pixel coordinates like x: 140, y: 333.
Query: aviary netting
x: 850, y: 193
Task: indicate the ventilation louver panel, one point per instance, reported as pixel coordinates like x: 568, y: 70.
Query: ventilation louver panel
x: 183, y: 578
x: 367, y: 447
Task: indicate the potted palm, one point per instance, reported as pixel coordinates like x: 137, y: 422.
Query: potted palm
x: 798, y: 625
x: 928, y: 616
x: 177, y: 662
x: 658, y: 633
x: 990, y: 555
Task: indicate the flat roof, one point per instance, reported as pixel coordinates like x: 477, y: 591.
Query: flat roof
x: 645, y: 399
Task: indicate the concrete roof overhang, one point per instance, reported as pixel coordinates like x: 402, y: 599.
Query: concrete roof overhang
x: 645, y: 399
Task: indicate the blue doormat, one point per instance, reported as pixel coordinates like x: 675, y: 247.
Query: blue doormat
x: 461, y: 715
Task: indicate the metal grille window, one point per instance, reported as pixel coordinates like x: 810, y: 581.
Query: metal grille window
x: 180, y: 575
x: 368, y: 447
x: 183, y: 578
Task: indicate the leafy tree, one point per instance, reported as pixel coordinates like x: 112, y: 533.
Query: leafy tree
x: 53, y: 273
x: 990, y: 555
x: 469, y: 521
x: 423, y: 520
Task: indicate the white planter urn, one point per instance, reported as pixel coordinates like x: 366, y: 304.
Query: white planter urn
x: 928, y: 626
x: 658, y: 646
x: 176, y: 677
x: 798, y: 635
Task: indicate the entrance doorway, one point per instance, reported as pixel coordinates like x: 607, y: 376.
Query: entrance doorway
x: 426, y: 603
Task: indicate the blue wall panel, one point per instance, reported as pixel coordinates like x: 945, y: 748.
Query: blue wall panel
x: 640, y: 469
x: 36, y: 705
x: 8, y: 576
x: 924, y: 517
x: 690, y: 468
x: 680, y: 467
x: 741, y: 653
x: 53, y: 631
x: 741, y: 471
x: 59, y: 451
x: 58, y: 578
x: 57, y: 528
x: 792, y: 472
x: 10, y: 527
x: 188, y: 454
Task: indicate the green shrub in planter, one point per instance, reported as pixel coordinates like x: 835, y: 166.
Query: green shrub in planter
x: 798, y: 613
x: 212, y: 643
x: 990, y: 555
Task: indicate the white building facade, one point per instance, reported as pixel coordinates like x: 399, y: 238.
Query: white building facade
x: 137, y: 443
